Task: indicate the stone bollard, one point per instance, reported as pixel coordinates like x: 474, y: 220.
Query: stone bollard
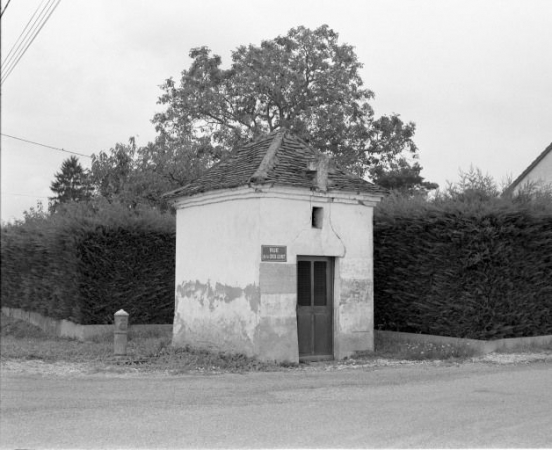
x: 120, y: 333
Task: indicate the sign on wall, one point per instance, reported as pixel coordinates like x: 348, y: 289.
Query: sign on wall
x: 274, y: 253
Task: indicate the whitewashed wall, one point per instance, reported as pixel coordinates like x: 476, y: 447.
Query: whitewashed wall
x: 217, y: 275
x: 227, y: 299
x: 541, y: 175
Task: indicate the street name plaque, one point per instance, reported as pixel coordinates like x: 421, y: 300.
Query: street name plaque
x: 274, y: 253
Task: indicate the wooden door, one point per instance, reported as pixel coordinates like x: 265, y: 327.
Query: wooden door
x: 315, y: 307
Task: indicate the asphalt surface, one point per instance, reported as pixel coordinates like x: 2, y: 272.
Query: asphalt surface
x: 467, y: 405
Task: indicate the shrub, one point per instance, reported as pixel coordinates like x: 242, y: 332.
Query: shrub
x: 128, y: 268
x: 85, y: 262
x: 479, y: 268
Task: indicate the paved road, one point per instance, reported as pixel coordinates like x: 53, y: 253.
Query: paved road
x: 471, y: 405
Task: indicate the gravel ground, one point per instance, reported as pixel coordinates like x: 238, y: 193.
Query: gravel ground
x: 63, y: 369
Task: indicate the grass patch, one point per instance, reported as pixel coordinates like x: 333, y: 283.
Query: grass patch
x: 21, y: 340
x: 147, y: 349
x: 135, y: 334
x: 386, y: 347
x: 20, y: 329
x: 392, y: 348
x: 532, y: 348
x: 151, y: 350
x: 179, y: 360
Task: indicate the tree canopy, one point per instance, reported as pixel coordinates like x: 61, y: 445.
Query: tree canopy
x: 70, y: 184
x: 305, y: 81
x: 403, y: 177
x: 140, y: 175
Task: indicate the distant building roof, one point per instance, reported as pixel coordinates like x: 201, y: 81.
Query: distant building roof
x: 279, y: 158
x: 527, y: 171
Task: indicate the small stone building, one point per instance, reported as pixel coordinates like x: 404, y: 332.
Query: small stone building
x: 274, y: 255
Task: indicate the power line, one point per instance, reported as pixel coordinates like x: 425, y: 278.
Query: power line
x: 43, y: 17
x: 20, y: 39
x: 5, y: 7
x: 36, y: 27
x: 14, y: 56
x: 44, y: 145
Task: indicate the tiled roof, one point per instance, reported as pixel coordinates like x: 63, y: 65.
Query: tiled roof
x: 281, y: 159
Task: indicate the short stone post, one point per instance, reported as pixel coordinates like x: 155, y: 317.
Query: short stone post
x: 121, y: 332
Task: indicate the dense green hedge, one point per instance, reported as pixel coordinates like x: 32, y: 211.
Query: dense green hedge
x: 84, y: 265
x: 481, y: 272
x: 128, y: 269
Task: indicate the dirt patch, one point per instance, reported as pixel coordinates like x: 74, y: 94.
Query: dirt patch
x: 38, y: 367
x: 514, y: 358
x: 26, y: 349
x: 122, y: 369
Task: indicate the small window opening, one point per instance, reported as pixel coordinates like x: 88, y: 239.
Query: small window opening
x: 317, y: 217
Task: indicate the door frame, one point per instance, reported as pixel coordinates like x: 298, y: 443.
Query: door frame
x: 330, y: 292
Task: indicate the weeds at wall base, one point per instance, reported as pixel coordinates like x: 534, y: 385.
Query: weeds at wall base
x: 527, y: 348
x: 21, y: 341
x: 390, y: 348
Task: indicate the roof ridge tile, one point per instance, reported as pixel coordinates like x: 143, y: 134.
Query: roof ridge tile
x: 269, y: 159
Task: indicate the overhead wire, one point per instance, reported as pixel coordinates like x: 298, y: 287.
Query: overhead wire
x: 48, y: 7
x: 5, y: 7
x: 44, y: 15
x: 8, y: 60
x: 44, y: 145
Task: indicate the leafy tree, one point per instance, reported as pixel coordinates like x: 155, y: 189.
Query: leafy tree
x: 403, y: 177
x: 33, y: 214
x: 135, y: 176
x: 305, y: 81
x: 110, y: 172
x: 473, y: 186
x: 70, y: 184
x: 474, y: 191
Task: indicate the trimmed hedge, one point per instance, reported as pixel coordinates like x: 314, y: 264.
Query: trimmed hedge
x: 38, y: 271
x: 480, y: 273
x: 128, y: 269
x: 83, y: 265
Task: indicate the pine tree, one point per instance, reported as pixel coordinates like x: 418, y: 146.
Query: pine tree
x: 70, y: 184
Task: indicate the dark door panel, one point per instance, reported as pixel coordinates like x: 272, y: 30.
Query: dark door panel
x: 322, y: 334
x: 314, y: 307
x: 304, y: 283
x: 320, y: 288
x: 304, y: 327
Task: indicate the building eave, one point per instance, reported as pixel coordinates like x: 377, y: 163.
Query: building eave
x: 263, y: 191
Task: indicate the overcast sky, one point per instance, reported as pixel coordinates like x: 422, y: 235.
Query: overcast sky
x: 475, y: 76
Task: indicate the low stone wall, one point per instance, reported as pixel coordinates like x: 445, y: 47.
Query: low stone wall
x: 479, y: 345
x: 68, y: 329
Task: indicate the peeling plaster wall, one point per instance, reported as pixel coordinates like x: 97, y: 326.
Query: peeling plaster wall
x: 354, y: 287
x: 346, y: 235
x: 278, y: 319
x: 227, y: 299
x: 217, y: 276
x: 218, y: 317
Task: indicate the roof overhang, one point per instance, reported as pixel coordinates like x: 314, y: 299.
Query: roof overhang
x: 271, y: 191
